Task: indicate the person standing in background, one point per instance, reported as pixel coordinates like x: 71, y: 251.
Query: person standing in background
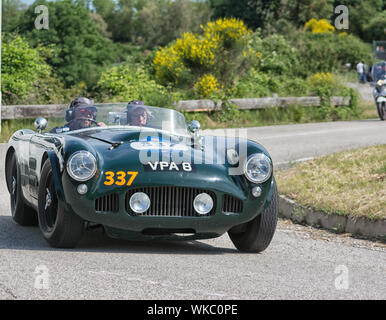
x: 360, y: 70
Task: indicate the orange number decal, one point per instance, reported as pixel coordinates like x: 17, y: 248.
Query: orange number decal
x: 133, y: 174
x: 120, y: 178
x: 109, y: 178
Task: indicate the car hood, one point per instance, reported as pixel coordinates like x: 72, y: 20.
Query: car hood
x: 162, y: 159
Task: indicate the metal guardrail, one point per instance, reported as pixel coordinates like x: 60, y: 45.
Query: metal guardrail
x: 57, y: 110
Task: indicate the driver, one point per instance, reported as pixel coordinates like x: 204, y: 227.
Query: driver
x: 80, y: 114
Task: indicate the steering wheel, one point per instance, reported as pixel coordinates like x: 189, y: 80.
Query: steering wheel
x: 84, y: 119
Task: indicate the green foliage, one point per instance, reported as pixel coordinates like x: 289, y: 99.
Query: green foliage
x: 255, y: 84
x: 21, y: 67
x: 256, y: 13
x: 375, y: 28
x: 152, y: 23
x: 360, y: 13
x: 12, y: 10
x: 278, y: 56
x: 131, y: 82
x: 208, y: 63
x: 27, y: 77
x: 81, y: 51
x: 329, y: 52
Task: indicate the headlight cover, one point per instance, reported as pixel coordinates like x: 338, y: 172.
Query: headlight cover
x: 258, y: 168
x: 139, y: 202
x: 81, y: 166
x: 203, y: 203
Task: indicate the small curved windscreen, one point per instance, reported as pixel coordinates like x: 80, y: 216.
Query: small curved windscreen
x: 132, y: 118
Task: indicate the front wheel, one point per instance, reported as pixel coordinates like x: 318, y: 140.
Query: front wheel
x: 256, y: 235
x: 61, y: 229
x: 381, y: 108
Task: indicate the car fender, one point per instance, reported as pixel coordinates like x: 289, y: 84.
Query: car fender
x: 55, y: 166
x: 270, y: 193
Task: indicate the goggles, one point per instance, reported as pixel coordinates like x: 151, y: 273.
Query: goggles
x: 85, y: 112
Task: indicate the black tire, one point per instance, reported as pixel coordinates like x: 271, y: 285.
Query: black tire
x: 61, y: 229
x: 256, y: 235
x: 381, y: 108
x: 21, y: 212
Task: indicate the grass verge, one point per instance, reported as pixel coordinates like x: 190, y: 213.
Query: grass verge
x: 345, y: 183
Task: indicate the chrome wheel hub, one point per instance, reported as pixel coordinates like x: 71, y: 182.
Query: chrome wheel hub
x: 48, y: 199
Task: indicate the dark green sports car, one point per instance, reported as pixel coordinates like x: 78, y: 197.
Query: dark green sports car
x: 151, y: 180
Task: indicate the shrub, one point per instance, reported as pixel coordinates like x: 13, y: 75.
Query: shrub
x: 207, y: 86
x: 26, y: 77
x: 220, y: 51
x: 131, y: 82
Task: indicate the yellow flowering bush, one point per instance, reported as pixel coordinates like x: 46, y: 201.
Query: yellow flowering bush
x: 207, y: 85
x: 228, y: 30
x: 168, y: 65
x: 322, y: 78
x: 221, y: 47
x: 319, y: 26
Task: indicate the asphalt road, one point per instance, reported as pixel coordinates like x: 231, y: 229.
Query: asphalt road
x: 300, y: 263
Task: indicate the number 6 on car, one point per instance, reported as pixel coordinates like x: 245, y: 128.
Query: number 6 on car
x: 120, y: 178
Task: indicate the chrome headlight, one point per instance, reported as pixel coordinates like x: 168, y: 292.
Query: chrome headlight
x: 258, y: 168
x: 203, y: 203
x: 232, y: 156
x: 81, y: 166
x: 139, y: 202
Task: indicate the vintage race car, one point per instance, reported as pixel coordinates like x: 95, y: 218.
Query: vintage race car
x: 158, y: 180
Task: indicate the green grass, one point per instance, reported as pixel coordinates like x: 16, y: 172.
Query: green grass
x: 279, y: 116
x: 345, y: 183
x: 8, y: 127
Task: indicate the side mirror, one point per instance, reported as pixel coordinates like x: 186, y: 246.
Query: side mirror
x: 40, y: 124
x: 194, y: 127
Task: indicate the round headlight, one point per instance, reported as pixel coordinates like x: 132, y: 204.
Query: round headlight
x: 203, y: 203
x: 81, y: 166
x: 139, y: 202
x: 258, y: 168
x: 232, y: 156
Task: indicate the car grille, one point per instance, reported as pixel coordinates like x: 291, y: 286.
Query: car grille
x: 107, y: 203
x: 230, y: 204
x: 170, y: 201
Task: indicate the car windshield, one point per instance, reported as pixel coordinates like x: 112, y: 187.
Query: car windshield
x: 379, y: 71
x: 118, y: 115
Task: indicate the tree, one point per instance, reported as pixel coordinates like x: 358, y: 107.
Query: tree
x: 255, y: 13
x: 80, y: 50
x: 25, y: 76
x: 164, y: 21
x: 360, y: 13
x: 11, y: 12
x: 375, y: 29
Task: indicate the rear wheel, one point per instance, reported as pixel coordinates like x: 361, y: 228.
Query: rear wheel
x: 21, y: 212
x: 61, y: 229
x: 381, y: 108
x: 256, y: 235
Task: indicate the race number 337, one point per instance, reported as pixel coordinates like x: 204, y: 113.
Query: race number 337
x: 120, y: 178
